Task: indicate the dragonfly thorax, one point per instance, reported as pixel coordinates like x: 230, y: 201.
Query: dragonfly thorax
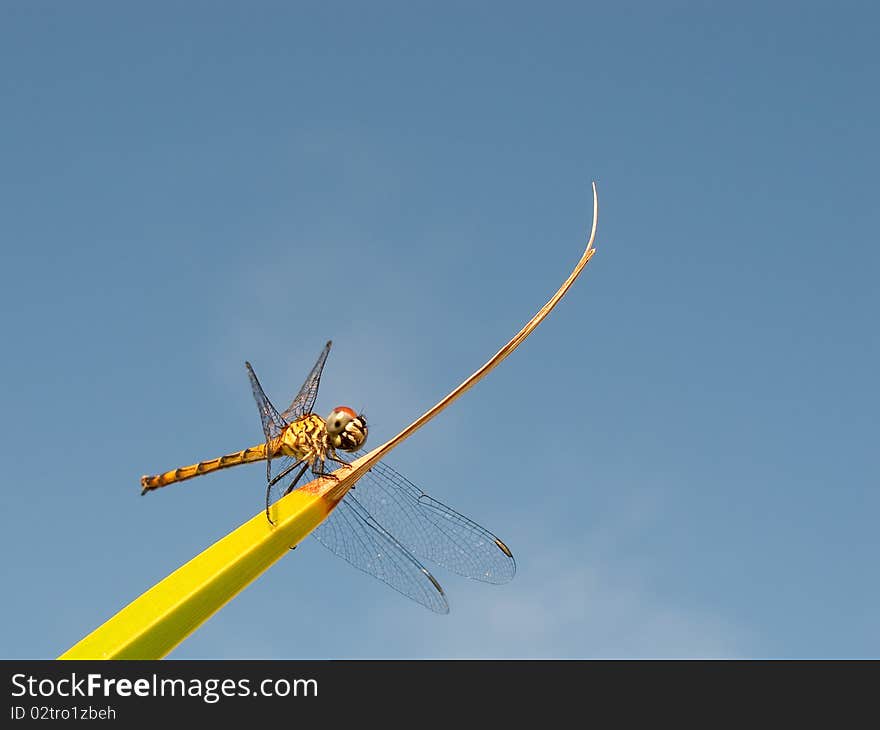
x: 305, y: 439
x: 346, y: 429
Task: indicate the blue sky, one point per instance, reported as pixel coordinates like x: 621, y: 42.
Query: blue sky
x: 683, y: 457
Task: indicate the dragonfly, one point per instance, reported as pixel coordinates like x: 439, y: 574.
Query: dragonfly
x: 384, y: 525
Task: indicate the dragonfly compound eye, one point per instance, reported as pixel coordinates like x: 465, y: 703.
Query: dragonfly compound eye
x: 345, y: 429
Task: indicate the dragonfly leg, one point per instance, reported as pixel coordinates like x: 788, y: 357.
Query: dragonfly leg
x: 296, y: 480
x: 277, y: 478
x: 320, y: 467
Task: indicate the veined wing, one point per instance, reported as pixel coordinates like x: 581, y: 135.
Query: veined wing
x: 424, y: 527
x: 432, y: 530
x: 273, y: 422
x: 351, y: 533
x: 285, y: 472
x: 305, y: 399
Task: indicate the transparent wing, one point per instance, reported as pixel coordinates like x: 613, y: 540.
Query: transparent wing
x: 305, y: 399
x: 281, y: 472
x: 430, y: 529
x: 273, y: 422
x: 351, y: 533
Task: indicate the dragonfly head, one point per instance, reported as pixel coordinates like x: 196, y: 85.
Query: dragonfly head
x: 346, y: 430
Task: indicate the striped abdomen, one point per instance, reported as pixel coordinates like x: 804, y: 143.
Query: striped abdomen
x: 254, y: 453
